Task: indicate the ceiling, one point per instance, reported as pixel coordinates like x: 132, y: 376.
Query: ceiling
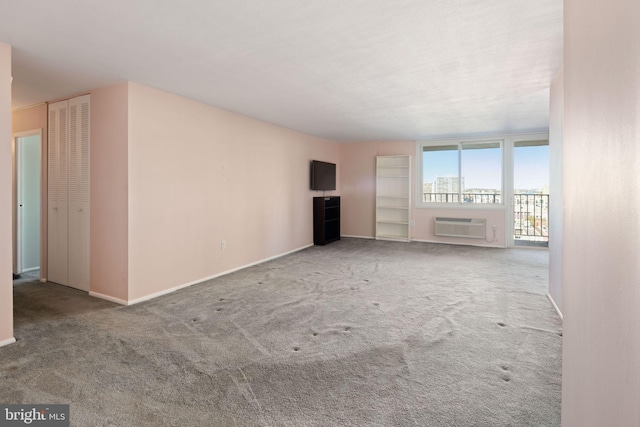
x: 345, y: 70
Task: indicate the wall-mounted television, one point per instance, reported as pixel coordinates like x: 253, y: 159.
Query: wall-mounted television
x: 323, y: 175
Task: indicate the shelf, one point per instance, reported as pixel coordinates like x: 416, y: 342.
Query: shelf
x: 392, y: 237
x: 326, y: 219
x: 393, y: 197
x: 393, y: 162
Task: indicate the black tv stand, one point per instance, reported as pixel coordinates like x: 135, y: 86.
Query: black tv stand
x: 326, y: 219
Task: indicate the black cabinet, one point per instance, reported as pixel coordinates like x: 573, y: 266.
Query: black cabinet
x: 326, y: 220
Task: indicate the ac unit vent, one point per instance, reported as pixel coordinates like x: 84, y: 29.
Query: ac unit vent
x: 460, y: 227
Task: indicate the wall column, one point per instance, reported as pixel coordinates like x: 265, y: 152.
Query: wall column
x: 556, y: 196
x: 6, y: 250
x: 601, y: 249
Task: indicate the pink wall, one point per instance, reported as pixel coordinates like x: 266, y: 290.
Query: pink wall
x: 358, y: 172
x: 358, y: 187
x: 199, y: 175
x: 109, y: 192
x: 6, y: 257
x: 601, y: 253
x: 26, y: 120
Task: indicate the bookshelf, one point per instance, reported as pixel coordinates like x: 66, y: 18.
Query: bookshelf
x: 393, y: 198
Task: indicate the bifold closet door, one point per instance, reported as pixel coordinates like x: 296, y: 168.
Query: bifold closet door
x: 78, y: 255
x: 68, y: 221
x: 57, y: 219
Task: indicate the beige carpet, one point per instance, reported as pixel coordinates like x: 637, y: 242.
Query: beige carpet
x: 356, y: 333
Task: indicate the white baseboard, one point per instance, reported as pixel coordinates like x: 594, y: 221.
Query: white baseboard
x: 555, y: 306
x: 195, y: 282
x: 7, y: 342
x: 108, y: 298
x: 459, y: 243
x: 26, y: 270
x: 427, y: 241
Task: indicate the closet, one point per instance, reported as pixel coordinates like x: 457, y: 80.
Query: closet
x: 68, y: 193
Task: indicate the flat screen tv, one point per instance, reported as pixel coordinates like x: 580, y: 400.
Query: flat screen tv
x: 323, y: 175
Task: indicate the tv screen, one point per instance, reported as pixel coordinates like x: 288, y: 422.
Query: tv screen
x: 323, y: 175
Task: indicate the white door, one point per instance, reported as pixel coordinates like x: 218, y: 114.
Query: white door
x: 28, y: 158
x: 57, y: 221
x: 78, y: 261
x: 69, y: 193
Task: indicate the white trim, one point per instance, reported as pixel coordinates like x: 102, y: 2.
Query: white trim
x: 359, y: 237
x: 7, y: 342
x: 22, y: 134
x: 508, y: 177
x: 555, y: 306
x: 459, y: 244
x: 529, y: 248
x: 195, y: 282
x: 26, y: 270
x: 27, y: 107
x: 108, y: 298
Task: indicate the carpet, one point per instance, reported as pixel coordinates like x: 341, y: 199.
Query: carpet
x: 355, y: 333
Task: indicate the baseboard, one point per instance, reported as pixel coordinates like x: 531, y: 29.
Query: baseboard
x: 26, y: 270
x: 459, y: 244
x: 43, y: 280
x: 555, y: 306
x: 7, y: 341
x: 204, y: 279
x: 425, y: 241
x: 108, y: 298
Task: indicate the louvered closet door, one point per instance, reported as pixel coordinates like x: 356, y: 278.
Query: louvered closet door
x: 57, y: 193
x: 78, y: 262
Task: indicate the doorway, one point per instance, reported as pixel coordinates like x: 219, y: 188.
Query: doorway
x: 531, y: 193
x: 27, y: 193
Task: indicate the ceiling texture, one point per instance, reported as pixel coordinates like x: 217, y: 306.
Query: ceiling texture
x: 345, y: 70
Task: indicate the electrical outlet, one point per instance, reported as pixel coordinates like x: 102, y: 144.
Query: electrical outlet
x: 223, y: 245
x: 494, y: 227
x: 413, y: 222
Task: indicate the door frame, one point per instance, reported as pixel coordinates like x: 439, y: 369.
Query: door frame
x: 509, y: 215
x: 16, y: 183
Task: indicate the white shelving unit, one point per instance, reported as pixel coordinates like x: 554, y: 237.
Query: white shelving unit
x: 393, y: 198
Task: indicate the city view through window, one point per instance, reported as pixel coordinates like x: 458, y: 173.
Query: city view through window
x: 531, y: 192
x: 472, y: 173
x: 469, y: 173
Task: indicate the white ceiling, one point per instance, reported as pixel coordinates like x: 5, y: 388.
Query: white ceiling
x: 340, y: 69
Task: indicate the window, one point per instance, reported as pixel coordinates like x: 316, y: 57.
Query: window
x: 461, y: 172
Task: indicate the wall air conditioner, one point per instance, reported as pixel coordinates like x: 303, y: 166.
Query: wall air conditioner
x: 460, y: 227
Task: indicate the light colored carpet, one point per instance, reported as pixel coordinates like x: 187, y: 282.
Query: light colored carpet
x: 356, y: 333
x: 29, y: 276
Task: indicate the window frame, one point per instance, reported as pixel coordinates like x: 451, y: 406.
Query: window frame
x: 420, y: 145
